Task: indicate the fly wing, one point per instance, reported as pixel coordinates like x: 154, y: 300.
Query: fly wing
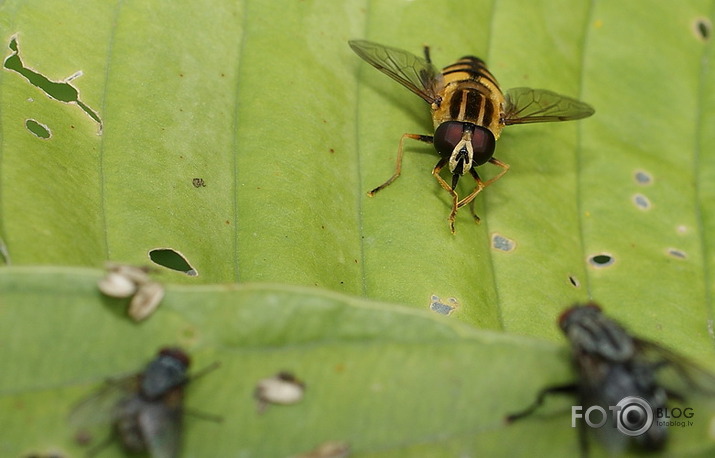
x: 675, y: 372
x: 99, y: 407
x: 161, y: 425
x: 415, y: 73
x: 525, y: 105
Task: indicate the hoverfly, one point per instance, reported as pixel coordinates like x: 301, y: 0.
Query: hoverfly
x: 469, y: 112
x: 145, y: 409
x: 612, y: 367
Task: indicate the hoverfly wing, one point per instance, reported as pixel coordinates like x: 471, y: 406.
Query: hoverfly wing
x: 415, y: 73
x: 525, y: 105
x: 161, y: 426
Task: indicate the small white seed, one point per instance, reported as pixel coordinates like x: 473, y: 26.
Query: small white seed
x: 116, y: 285
x: 283, y: 388
x: 138, y: 275
x: 331, y: 449
x: 145, y: 301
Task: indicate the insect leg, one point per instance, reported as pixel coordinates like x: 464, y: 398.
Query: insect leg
x: 427, y: 56
x: 398, y: 166
x: 470, y: 198
x: 498, y: 163
x: 481, y: 185
x: 561, y: 389
x: 204, y: 371
x: 448, y: 188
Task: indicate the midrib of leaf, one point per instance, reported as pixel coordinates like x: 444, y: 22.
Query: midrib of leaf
x: 579, y: 149
x: 485, y: 221
x: 237, y: 144
x: 359, y: 193
x: 100, y: 159
x: 699, y: 164
x: 3, y: 258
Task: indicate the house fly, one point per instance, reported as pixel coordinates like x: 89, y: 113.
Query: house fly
x: 144, y: 409
x: 628, y: 379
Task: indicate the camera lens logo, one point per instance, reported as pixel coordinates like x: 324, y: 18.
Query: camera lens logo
x: 634, y: 416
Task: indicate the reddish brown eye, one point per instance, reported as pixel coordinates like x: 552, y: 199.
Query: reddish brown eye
x: 449, y: 134
x: 446, y: 137
x: 483, y: 143
x: 176, y: 353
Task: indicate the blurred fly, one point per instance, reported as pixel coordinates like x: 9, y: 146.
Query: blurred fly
x: 469, y: 112
x: 145, y: 409
x: 613, y: 365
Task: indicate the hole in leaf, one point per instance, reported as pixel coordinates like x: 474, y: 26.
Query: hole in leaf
x: 443, y: 308
x: 61, y: 91
x: 38, y: 129
x: 574, y: 281
x: 172, y: 259
x: 601, y: 260
x: 501, y: 243
x: 642, y: 177
x: 701, y: 28
x: 676, y: 253
x: 641, y: 202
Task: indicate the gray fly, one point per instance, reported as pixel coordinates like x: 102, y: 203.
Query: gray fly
x: 144, y: 409
x: 613, y: 365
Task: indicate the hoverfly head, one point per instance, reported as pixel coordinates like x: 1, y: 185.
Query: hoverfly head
x: 465, y: 145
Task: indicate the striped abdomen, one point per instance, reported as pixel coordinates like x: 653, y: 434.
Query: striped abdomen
x: 470, y: 94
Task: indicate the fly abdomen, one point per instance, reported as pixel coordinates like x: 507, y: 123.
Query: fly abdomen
x: 469, y: 68
x: 471, y: 105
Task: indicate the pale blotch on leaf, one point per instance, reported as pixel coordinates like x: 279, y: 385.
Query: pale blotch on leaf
x: 330, y: 449
x: 642, y: 202
x: 443, y: 307
x: 172, y: 259
x: 643, y: 178
x: 501, y: 243
x: 601, y: 260
x: 682, y: 229
x: 676, y: 253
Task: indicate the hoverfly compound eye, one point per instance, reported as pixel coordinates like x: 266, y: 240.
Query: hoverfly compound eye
x: 483, y: 142
x: 447, y: 136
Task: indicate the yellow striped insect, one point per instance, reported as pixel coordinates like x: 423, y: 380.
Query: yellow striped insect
x: 469, y: 112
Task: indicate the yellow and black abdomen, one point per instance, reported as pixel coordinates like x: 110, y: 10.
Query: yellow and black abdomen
x: 470, y: 94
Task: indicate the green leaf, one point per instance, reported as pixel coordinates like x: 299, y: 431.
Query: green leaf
x: 287, y: 130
